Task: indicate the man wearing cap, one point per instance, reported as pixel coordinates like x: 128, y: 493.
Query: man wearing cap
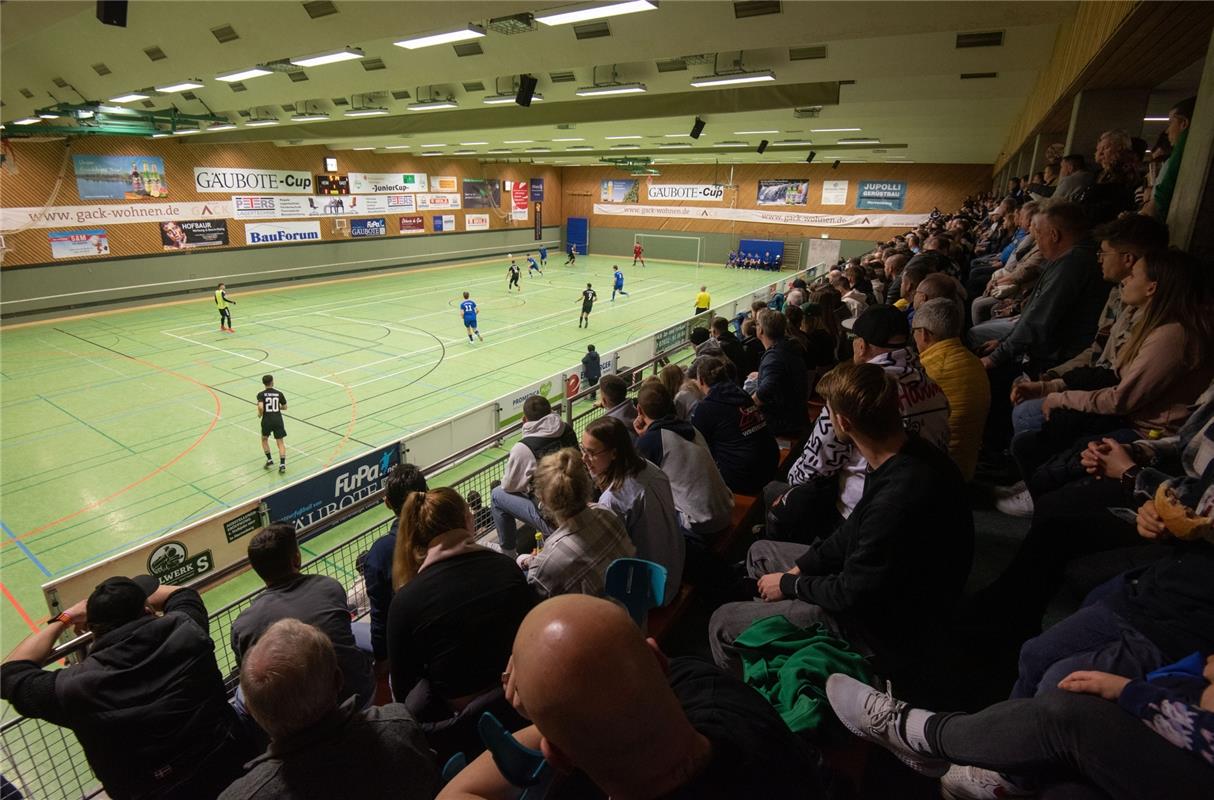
x: 827, y: 481
x: 147, y: 703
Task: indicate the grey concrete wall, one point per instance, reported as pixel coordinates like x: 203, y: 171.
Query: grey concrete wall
x: 56, y: 288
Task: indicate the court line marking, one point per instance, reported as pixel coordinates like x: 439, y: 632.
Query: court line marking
x: 250, y: 358
x: 20, y: 610
x: 24, y: 549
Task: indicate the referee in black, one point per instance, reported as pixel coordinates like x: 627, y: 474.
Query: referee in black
x: 270, y: 405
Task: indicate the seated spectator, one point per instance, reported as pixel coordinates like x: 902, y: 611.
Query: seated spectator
x: 703, y: 500
x: 1179, y: 119
x: 939, y: 285
x: 731, y: 348
x: 1073, y: 179
x: 834, y: 309
x: 742, y: 316
x: 822, y: 334
x: 793, y: 315
x: 852, y: 298
x: 1160, y: 371
x: 455, y: 611
x: 639, y: 493
x: 935, y: 255
x: 744, y: 450
x: 1113, y: 190
x: 887, y: 578
x: 318, y: 600
x: 543, y: 432
x: 321, y: 747
x: 782, y: 381
x: 147, y: 702
x: 751, y: 346
x: 377, y: 570
x: 958, y: 373
x: 613, y: 392
x: 685, y: 391
x: 858, y: 281
x: 912, y: 276
x: 1009, y: 285
x: 1126, y: 738
x: 575, y: 556
x: 827, y: 480
x: 893, y: 266
x: 718, y: 737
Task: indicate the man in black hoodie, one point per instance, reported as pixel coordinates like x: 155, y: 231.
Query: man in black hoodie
x: 744, y: 450
x: 783, y: 382
x: 731, y: 347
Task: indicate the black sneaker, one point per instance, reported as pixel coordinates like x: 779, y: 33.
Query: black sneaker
x: 269, y: 464
x: 282, y: 467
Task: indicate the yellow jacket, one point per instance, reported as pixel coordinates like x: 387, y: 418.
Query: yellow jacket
x: 960, y: 374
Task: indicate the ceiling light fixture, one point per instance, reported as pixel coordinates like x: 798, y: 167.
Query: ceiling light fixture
x: 731, y: 78
x: 792, y: 143
x: 260, y: 123
x: 580, y: 147
x: 469, y: 144
x: 601, y: 90
x: 312, y: 116
x: 362, y: 148
x: 463, y: 152
x: 116, y: 110
x: 1154, y: 119
x: 27, y: 121
x: 585, y: 14
x: 508, y: 99
x: 497, y: 150
x: 834, y: 130
x: 749, y: 133
x: 184, y: 86
x: 398, y: 147
x: 47, y: 115
x: 128, y: 98
x: 434, y: 153
x: 243, y: 75
x: 622, y: 137
x: 675, y: 135
x: 366, y: 112
x: 675, y: 144
x: 463, y: 34
x: 539, y: 149
x: 570, y: 139
x: 436, y: 144
x: 518, y: 141
x: 186, y: 131
x: 625, y: 147
x: 731, y: 144
x: 226, y: 126
x: 430, y: 105
x: 330, y: 57
x: 858, y: 141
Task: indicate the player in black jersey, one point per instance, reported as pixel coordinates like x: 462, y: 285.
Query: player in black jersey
x: 513, y: 272
x: 270, y: 405
x: 588, y: 298
x: 572, y: 254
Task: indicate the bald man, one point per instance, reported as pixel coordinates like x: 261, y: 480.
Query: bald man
x: 618, y: 720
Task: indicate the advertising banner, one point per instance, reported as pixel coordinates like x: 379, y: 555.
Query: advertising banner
x: 387, y: 182
x: 834, y: 193
x: 444, y: 183
x: 520, y: 201
x: 362, y: 228
x: 672, y: 337
x: 412, y: 224
x: 511, y: 406
x: 889, y: 195
x: 120, y: 177
x: 482, y: 193
x: 315, y: 499
x: 223, y: 180
x: 279, y: 232
x: 476, y: 222
x: 444, y: 222
x: 188, y: 234
x: 702, y: 193
x: 12, y: 219
x: 79, y: 244
x: 437, y: 202
x: 783, y: 192
x: 272, y: 207
x: 537, y: 190
x: 618, y: 191
x: 770, y: 217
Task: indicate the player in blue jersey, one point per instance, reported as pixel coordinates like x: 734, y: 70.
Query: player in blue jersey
x: 543, y: 256
x: 468, y: 309
x: 532, y: 266
x: 619, y: 284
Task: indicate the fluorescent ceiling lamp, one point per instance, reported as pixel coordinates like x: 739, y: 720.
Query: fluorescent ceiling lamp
x: 508, y: 99
x: 497, y: 150
x: 47, y: 115
x: 581, y: 147
x: 366, y: 112
x: 260, y: 123
x: 469, y: 144
x: 518, y: 141
x: 83, y: 114
x: 314, y: 117
x: 128, y: 98
x: 858, y: 141
x: 676, y: 135
x: 179, y: 87
x: 625, y: 147
x: 362, y: 148
x: 227, y: 126
x: 186, y: 131
x: 242, y: 75
x: 430, y: 105
x: 398, y: 147
x: 570, y: 139
x: 470, y: 31
x: 792, y: 143
x: 331, y: 57
x: 434, y: 153
x: 161, y: 135
x: 731, y: 144
x: 622, y: 137
x: 675, y: 144
x: 437, y: 144
x: 539, y: 149
x: 27, y: 121
x: 610, y: 88
x: 833, y: 130
x: 463, y: 152
x: 749, y: 133
x: 733, y: 78
x: 595, y: 12
x: 1154, y: 119
x: 115, y: 110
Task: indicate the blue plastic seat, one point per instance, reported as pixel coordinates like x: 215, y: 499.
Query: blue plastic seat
x: 522, y: 766
x: 639, y: 584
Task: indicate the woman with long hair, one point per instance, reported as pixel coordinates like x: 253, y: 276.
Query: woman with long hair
x: 457, y: 606
x: 686, y: 392
x: 636, y: 490
x: 1163, y: 367
x: 833, y: 312
x: 575, y: 556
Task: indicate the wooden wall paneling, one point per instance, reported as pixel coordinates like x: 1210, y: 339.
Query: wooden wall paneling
x: 36, y: 166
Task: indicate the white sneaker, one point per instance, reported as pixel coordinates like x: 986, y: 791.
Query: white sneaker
x: 1008, y: 491
x: 1016, y: 505
x: 976, y: 783
x: 880, y: 718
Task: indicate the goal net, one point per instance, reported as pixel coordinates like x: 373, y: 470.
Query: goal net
x: 663, y: 247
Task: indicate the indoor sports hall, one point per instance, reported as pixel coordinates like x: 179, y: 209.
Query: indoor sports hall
x: 624, y: 398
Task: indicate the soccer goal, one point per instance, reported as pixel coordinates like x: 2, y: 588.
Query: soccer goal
x: 670, y: 248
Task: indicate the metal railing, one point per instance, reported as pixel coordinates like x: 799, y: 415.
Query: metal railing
x: 46, y: 762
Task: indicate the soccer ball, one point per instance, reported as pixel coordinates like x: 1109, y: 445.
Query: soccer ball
x: 510, y: 255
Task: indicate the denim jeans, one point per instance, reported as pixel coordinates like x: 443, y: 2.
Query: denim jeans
x: 508, y: 509
x: 1027, y: 416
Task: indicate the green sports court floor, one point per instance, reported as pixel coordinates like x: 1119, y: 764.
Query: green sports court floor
x: 121, y: 426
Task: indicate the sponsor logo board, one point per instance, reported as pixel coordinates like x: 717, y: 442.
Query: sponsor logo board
x: 759, y: 215
x: 699, y: 192
x: 79, y: 244
x: 222, y: 180
x: 388, y: 182
x: 280, y: 232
